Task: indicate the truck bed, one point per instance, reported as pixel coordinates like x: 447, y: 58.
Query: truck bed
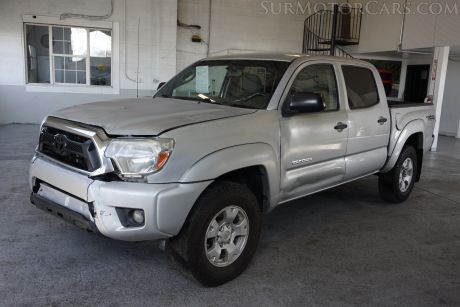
x: 405, y: 104
x: 404, y: 114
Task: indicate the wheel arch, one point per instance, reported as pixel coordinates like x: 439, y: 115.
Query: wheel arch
x: 255, y: 165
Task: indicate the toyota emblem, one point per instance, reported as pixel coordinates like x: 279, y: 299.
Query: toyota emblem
x: 60, y: 143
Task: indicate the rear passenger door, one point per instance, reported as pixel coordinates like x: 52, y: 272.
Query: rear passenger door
x: 369, y: 121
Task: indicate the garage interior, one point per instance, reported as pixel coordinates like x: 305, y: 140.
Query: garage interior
x: 341, y: 247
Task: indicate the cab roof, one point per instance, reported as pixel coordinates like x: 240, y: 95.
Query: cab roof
x: 285, y: 57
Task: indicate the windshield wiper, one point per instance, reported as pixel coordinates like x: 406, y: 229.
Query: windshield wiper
x: 205, y: 98
x: 240, y: 106
x: 245, y: 99
x: 202, y: 98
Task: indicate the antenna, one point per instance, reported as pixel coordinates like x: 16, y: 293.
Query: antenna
x: 138, y: 47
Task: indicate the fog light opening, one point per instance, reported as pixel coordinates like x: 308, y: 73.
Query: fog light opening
x: 137, y: 216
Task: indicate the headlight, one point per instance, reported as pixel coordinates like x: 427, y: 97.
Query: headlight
x: 136, y: 158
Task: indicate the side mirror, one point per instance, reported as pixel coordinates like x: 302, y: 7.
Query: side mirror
x: 305, y: 103
x: 160, y: 85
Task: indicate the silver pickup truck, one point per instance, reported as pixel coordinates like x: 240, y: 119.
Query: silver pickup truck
x: 222, y: 143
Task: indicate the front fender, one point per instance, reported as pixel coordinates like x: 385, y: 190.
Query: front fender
x: 399, y: 140
x: 233, y: 158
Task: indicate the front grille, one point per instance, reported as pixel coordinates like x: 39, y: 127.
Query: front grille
x: 69, y: 148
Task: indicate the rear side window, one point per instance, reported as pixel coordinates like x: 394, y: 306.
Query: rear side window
x: 361, y: 87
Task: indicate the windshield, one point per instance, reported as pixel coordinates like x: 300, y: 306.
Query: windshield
x: 238, y: 83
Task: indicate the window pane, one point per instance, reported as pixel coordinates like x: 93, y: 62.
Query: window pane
x: 81, y: 77
x: 100, y: 57
x: 71, y: 41
x: 58, y: 33
x: 79, y: 42
x: 318, y: 79
x: 70, y: 63
x: 58, y: 47
x: 67, y: 48
x: 69, y: 69
x: 37, y: 53
x: 361, y: 87
x: 59, y: 62
x: 70, y: 76
x: 67, y: 33
x: 81, y: 64
x: 59, y: 76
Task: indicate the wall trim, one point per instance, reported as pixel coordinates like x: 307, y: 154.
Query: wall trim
x: 75, y: 89
x: 55, y: 20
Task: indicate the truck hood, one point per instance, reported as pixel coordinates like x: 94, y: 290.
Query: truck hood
x: 147, y: 116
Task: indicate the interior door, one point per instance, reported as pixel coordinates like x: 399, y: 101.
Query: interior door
x: 369, y: 122
x: 417, y: 83
x: 313, y: 145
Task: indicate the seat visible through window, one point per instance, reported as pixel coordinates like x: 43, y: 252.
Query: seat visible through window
x: 244, y: 85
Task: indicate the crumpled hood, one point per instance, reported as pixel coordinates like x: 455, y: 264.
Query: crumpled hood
x: 146, y: 116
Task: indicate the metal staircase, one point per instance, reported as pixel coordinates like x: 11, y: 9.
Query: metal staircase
x: 327, y: 31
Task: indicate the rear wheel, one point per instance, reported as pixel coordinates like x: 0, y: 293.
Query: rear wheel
x: 396, y: 186
x: 221, y: 234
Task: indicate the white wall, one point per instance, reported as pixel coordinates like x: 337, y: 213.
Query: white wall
x: 23, y: 103
x: 380, y: 31
x: 239, y: 26
x: 382, y: 21
x: 451, y: 107
x: 427, y: 30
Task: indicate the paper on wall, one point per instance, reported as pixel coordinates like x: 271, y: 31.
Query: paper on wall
x: 202, y: 79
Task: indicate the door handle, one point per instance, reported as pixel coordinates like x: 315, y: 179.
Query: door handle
x: 382, y: 120
x: 340, y: 126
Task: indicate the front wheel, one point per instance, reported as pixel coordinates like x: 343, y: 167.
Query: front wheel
x: 396, y: 186
x: 221, y: 234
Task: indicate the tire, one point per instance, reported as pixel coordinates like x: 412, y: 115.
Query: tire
x: 218, y: 204
x: 396, y: 186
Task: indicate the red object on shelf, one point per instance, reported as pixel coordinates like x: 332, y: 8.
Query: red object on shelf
x: 387, y: 79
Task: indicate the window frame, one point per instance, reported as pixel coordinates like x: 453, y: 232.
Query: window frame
x: 379, y: 100
x: 293, y: 77
x: 51, y: 56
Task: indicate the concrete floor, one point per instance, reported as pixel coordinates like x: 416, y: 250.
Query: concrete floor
x: 339, y: 248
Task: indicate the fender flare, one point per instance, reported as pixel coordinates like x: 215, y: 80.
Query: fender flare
x: 416, y: 126
x: 233, y: 158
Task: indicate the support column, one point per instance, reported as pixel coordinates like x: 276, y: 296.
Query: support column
x: 437, y: 85
x: 458, y: 132
x: 402, y: 80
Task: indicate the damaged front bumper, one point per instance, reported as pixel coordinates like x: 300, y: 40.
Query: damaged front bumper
x: 98, y: 206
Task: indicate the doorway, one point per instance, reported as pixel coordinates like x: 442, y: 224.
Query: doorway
x: 417, y: 83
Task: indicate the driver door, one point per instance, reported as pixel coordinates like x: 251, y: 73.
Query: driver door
x: 313, y: 145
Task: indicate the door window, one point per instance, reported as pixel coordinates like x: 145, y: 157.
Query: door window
x: 361, y: 87
x: 319, y: 79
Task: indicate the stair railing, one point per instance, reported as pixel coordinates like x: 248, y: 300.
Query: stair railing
x: 326, y: 30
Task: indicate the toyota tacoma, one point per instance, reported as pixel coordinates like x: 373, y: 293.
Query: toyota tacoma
x: 222, y: 143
